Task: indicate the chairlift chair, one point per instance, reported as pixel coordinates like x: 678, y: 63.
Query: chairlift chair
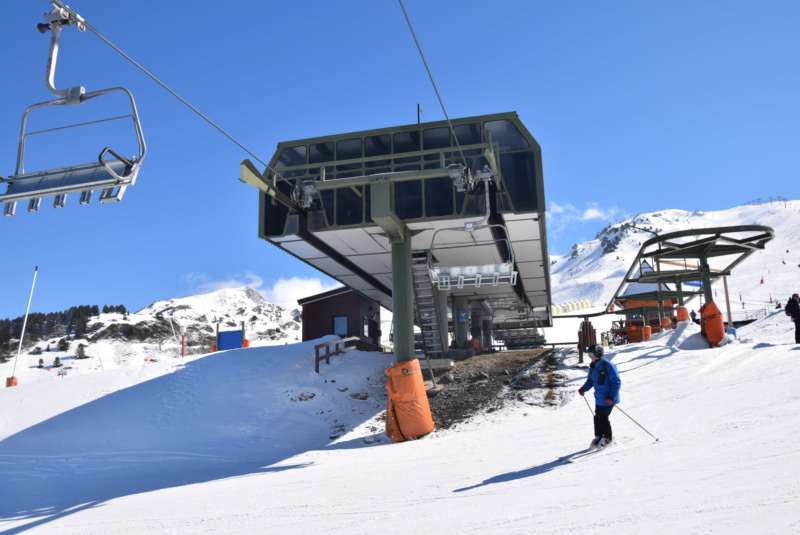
x: 446, y: 277
x: 111, y: 173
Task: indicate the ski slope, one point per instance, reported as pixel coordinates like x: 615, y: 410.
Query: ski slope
x: 235, y: 442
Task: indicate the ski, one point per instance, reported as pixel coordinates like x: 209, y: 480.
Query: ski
x: 583, y: 454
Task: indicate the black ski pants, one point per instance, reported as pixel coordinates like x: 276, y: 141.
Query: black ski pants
x: 797, y: 331
x: 602, y: 426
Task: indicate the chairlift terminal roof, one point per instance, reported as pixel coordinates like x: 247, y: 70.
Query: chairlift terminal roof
x: 332, y: 228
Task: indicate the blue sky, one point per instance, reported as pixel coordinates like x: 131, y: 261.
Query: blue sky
x: 638, y: 107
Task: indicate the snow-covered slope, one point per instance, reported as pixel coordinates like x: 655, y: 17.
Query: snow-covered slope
x: 253, y: 441
x: 154, y: 332
x: 593, y: 270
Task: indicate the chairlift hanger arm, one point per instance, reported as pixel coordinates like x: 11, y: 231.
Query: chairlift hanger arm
x: 250, y: 175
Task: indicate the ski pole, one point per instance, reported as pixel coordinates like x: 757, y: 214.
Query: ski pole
x: 587, y: 404
x: 634, y: 421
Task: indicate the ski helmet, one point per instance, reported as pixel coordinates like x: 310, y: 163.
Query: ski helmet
x: 596, y: 350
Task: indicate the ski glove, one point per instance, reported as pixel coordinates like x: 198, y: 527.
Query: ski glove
x: 581, y: 391
x: 609, y: 401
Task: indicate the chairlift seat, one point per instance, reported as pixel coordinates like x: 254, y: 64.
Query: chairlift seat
x: 446, y: 277
x: 110, y: 176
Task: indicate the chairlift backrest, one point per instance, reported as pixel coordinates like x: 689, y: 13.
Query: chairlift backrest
x: 446, y: 277
x: 111, y: 173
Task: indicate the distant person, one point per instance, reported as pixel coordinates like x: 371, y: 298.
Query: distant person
x: 778, y: 305
x: 693, y: 315
x: 604, y: 378
x: 793, y: 309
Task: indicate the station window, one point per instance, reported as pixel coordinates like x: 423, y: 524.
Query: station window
x: 349, y: 206
x: 519, y: 175
x: 468, y: 134
x: 348, y: 149
x: 439, y: 196
x: 320, y: 152
x: 377, y: 146
x: 292, y: 156
x: 436, y: 138
x: 407, y: 196
x: 340, y: 325
x: 406, y: 142
x: 506, y: 134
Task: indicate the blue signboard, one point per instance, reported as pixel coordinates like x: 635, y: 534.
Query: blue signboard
x: 230, y: 340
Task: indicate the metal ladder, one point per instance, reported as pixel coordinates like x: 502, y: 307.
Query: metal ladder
x: 426, y: 312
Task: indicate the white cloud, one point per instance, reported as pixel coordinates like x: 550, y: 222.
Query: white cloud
x: 560, y: 215
x: 286, y: 292
x: 202, y: 283
x: 561, y: 208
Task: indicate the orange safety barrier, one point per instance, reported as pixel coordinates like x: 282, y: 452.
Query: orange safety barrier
x: 408, y: 413
x: 245, y: 343
x: 647, y: 332
x: 683, y: 313
x: 712, y: 326
x: 11, y: 381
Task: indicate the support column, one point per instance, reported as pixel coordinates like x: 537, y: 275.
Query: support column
x: 402, y: 301
x: 486, y: 328
x: 705, y: 273
x: 441, y: 310
x: 461, y: 320
x: 475, y: 327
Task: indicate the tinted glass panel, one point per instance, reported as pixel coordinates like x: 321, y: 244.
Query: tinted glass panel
x: 320, y: 152
x: 275, y: 215
x: 468, y: 134
x: 408, y: 199
x: 518, y: 175
x: 406, y: 142
x: 348, y: 149
x: 505, y: 133
x: 377, y: 145
x: 438, y: 196
x: 291, y: 157
x: 348, y: 206
x: 327, y: 204
x: 436, y: 138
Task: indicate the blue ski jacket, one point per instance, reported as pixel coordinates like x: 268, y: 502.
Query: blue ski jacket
x: 604, y: 377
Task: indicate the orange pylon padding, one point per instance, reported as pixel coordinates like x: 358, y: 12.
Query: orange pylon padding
x: 712, y: 326
x: 408, y: 413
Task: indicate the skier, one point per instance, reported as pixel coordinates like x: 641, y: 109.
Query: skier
x: 793, y: 309
x: 604, y: 377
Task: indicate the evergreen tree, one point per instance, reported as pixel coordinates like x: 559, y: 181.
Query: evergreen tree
x: 81, y: 352
x: 63, y: 345
x: 57, y: 363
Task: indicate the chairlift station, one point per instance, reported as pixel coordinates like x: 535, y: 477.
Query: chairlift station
x: 431, y: 220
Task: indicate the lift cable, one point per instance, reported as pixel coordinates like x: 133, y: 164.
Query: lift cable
x: 430, y: 75
x: 61, y: 5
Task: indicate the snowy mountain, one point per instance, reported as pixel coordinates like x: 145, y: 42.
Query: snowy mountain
x: 594, y: 270
x: 254, y: 441
x: 230, y: 308
x: 154, y: 331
